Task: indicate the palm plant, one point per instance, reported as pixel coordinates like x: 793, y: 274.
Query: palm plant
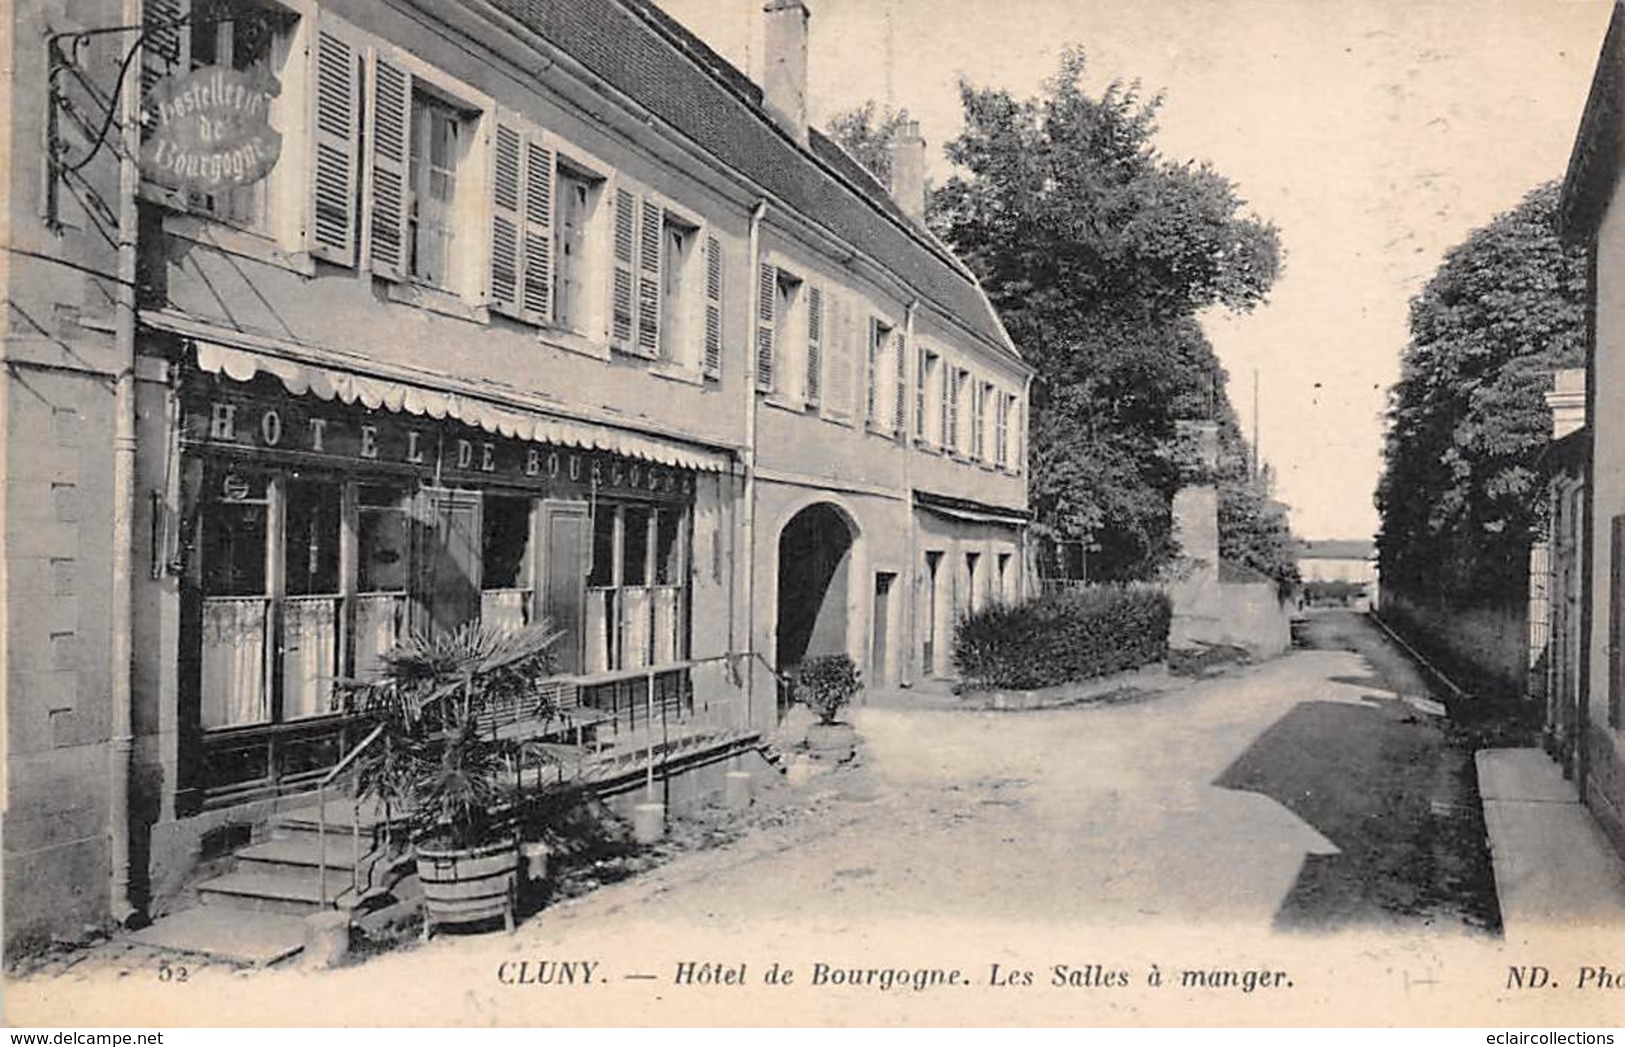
x: 435, y: 761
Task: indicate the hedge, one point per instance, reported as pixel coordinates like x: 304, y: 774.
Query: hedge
x: 1063, y: 637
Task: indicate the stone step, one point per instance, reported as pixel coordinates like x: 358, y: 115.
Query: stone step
x: 275, y: 892
x: 302, y: 852
x: 340, y: 814
x: 234, y: 935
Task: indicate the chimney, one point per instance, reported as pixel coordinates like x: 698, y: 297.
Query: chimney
x: 784, y: 78
x: 908, y: 170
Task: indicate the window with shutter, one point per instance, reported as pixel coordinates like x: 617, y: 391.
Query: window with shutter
x: 767, y: 296
x: 836, y: 349
x: 815, y: 345
x: 389, y: 137
x: 576, y: 303
x: 651, y: 237
x: 331, y: 234
x: 713, y: 308
x: 1001, y: 436
x: 978, y: 403
x: 946, y: 440
x: 521, y: 262
x: 900, y: 384
x: 923, y: 376
x: 623, y: 290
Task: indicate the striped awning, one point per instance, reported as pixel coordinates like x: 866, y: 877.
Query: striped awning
x: 495, y: 411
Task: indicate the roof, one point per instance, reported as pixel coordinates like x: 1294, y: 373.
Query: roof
x: 647, y: 55
x: 1338, y: 549
x: 1594, y: 162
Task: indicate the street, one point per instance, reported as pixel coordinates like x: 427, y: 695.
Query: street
x: 1251, y: 814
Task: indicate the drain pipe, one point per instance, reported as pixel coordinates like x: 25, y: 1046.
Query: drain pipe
x: 911, y: 402
x: 121, y: 741
x: 748, y: 539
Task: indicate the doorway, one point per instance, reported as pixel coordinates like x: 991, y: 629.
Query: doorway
x: 879, y: 653
x: 815, y: 551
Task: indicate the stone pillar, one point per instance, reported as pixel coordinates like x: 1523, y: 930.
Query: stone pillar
x: 1193, y: 578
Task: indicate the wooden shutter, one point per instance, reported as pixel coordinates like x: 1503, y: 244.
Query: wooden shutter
x: 960, y: 378
x: 389, y: 153
x: 507, y: 161
x: 536, y: 247
x: 871, y: 372
x: 947, y: 441
x: 622, y: 289
x: 336, y: 117
x: 713, y: 308
x: 1001, y: 433
x: 651, y: 235
x: 767, y: 294
x: 900, y: 388
x: 815, y: 344
x: 166, y: 45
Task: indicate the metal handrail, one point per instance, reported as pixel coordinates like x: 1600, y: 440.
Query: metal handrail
x: 327, y: 779
x: 584, y: 680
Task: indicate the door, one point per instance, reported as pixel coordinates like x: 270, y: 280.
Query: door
x: 933, y: 610
x: 879, y: 661
x: 564, y: 558
x: 446, y: 575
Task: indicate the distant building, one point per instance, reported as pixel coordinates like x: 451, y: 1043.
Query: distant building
x: 1592, y: 213
x: 1351, y: 560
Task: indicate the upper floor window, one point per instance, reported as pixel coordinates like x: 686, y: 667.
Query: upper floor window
x: 877, y: 374
x: 425, y: 177
x: 958, y: 409
x: 437, y: 147
x: 578, y: 195
x: 679, y: 252
x: 1001, y: 437
x: 249, y: 37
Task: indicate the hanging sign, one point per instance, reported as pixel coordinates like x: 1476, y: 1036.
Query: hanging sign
x: 209, y: 130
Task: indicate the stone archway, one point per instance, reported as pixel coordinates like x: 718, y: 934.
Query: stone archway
x: 814, y: 588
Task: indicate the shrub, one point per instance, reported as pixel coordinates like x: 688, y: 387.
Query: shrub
x: 827, y: 683
x: 1062, y: 637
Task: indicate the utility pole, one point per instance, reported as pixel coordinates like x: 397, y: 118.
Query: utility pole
x: 1258, y: 466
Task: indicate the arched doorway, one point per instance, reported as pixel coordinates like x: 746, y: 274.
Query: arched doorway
x: 815, y: 551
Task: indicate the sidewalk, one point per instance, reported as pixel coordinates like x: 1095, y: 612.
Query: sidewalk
x: 1554, y: 869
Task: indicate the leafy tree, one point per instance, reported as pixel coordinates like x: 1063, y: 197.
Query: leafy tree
x: 1098, y: 253
x: 866, y: 132
x: 1468, y: 417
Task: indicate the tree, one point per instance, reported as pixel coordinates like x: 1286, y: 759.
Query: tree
x: 1468, y: 418
x: 1098, y: 253
x: 866, y: 132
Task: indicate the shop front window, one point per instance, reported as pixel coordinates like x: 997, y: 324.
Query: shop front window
x: 636, y: 588
x: 236, y: 602
x: 507, y: 589
x: 383, y: 551
x: 311, y: 601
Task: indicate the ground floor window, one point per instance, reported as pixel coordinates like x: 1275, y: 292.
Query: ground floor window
x: 637, y: 587
x: 304, y: 578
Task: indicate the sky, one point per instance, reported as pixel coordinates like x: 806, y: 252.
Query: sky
x: 1375, y: 134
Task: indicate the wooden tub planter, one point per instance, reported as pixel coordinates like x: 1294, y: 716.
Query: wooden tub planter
x: 465, y: 885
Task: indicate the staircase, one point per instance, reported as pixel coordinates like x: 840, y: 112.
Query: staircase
x: 255, y: 913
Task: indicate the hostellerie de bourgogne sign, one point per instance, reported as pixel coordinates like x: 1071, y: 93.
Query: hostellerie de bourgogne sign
x: 209, y: 130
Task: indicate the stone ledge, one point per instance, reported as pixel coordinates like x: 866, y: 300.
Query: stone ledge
x: 1153, y: 678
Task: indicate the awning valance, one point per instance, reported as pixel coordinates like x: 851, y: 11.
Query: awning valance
x: 969, y: 511
x: 460, y: 401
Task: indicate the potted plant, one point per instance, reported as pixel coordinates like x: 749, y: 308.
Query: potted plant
x: 443, y: 765
x: 826, y: 684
